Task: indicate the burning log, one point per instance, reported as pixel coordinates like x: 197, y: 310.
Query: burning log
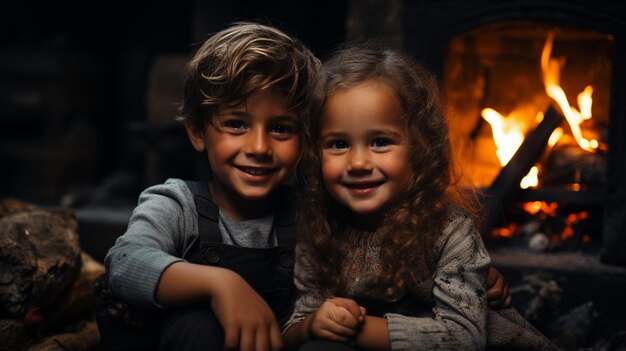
x: 506, y: 185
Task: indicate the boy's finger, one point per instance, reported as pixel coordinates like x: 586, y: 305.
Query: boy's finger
x: 494, y: 293
x: 507, y: 297
x: 246, y: 342
x: 492, y: 276
x: 231, y: 338
x: 262, y: 340
x: 276, y: 338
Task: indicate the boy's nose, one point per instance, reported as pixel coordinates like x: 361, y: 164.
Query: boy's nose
x: 258, y: 143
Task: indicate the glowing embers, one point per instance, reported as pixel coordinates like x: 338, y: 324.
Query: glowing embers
x: 546, y: 227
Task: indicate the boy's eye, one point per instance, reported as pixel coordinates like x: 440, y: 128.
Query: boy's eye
x: 234, y: 124
x: 281, y: 129
x: 338, y: 144
x: 380, y: 142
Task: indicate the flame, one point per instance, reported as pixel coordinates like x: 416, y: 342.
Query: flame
x: 531, y: 179
x: 508, y: 134
x: 551, y: 70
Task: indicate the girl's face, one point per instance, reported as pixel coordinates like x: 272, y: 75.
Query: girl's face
x: 364, y: 148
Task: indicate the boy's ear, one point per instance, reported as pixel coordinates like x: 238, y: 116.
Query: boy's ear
x: 197, y: 140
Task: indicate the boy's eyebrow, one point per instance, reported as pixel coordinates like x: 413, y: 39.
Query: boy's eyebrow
x: 238, y: 113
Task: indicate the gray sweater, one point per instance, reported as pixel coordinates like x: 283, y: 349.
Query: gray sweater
x: 162, y: 228
x: 460, y: 308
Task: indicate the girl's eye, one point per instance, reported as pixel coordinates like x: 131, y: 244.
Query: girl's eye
x: 338, y: 144
x: 380, y: 142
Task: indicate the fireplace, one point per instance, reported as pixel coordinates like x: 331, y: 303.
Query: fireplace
x: 499, y: 64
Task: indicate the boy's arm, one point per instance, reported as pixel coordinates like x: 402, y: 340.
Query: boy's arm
x: 157, y: 234
x: 498, y: 294
x: 244, y: 315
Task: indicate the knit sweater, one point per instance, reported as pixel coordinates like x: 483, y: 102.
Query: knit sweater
x: 458, y: 317
x: 162, y: 229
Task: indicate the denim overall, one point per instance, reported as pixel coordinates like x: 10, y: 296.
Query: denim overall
x: 269, y: 271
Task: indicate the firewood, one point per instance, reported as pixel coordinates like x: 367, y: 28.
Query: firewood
x: 39, y: 257
x: 506, y: 185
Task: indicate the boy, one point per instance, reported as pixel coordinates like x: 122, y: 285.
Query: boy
x: 216, y: 259
x: 244, y: 92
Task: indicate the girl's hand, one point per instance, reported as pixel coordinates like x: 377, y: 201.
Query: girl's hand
x: 333, y: 322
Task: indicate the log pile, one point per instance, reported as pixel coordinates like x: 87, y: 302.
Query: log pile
x: 46, y: 280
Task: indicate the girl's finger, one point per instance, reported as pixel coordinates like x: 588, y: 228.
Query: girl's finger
x: 339, y: 329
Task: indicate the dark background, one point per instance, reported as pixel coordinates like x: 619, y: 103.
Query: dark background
x: 75, y: 120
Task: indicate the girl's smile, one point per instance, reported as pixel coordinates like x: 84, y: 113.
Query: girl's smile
x: 364, y: 147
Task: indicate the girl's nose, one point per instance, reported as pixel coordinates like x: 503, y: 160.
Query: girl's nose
x: 359, y: 161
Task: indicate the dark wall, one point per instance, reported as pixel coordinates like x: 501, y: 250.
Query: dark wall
x: 74, y: 78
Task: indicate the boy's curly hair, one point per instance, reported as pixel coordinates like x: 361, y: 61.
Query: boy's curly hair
x: 239, y: 61
x: 413, y: 226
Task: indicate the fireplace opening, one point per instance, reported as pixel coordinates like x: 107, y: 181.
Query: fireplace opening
x: 529, y: 107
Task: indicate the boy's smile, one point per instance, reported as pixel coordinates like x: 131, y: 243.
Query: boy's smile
x: 364, y: 147
x: 252, y: 149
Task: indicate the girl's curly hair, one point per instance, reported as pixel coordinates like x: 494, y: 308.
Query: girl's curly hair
x: 418, y: 218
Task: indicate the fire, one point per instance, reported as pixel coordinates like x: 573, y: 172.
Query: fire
x: 551, y: 70
x: 541, y: 207
x: 531, y: 179
x: 508, y: 134
x: 508, y: 131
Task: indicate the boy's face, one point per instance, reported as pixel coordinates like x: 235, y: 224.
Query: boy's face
x: 252, y: 148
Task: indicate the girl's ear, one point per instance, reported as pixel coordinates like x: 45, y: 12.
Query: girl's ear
x: 197, y: 140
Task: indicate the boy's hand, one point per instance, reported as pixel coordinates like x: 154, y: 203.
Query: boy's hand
x: 333, y: 322
x: 498, y: 295
x: 248, y: 322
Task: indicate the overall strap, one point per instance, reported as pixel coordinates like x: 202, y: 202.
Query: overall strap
x: 208, y: 212
x: 285, y: 223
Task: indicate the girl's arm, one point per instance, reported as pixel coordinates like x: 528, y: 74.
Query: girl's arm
x: 460, y: 304
x: 297, y: 329
x: 331, y: 321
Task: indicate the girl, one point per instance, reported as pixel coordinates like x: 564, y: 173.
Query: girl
x: 384, y: 224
